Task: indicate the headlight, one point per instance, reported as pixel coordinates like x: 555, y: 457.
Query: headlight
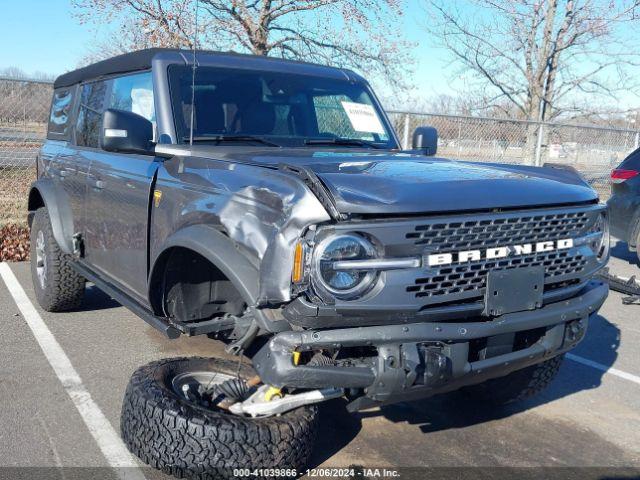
x: 343, y: 283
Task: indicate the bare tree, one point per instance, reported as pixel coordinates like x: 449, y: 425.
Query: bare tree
x: 547, y: 58
x: 359, y: 34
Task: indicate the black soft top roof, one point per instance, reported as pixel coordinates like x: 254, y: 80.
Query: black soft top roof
x: 141, y: 60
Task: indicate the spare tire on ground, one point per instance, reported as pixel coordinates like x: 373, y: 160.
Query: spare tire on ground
x: 182, y: 438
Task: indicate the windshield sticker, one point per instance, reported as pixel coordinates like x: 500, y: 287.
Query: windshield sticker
x: 363, y: 117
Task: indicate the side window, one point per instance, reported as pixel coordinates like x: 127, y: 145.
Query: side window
x: 60, y: 110
x: 90, y: 112
x: 134, y: 93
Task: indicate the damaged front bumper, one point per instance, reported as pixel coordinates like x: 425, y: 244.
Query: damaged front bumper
x: 418, y: 360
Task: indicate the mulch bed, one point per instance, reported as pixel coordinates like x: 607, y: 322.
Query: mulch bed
x: 14, y: 243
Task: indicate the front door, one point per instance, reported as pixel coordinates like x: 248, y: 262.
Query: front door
x: 119, y: 186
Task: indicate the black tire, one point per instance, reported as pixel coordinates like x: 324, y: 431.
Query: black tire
x: 182, y: 439
x: 61, y: 288
x: 518, y: 385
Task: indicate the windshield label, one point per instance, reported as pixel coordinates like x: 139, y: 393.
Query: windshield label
x: 363, y: 117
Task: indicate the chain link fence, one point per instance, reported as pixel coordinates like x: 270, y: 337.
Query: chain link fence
x: 24, y: 109
x: 593, y: 151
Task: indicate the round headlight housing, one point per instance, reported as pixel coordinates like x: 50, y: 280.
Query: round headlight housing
x: 335, y: 281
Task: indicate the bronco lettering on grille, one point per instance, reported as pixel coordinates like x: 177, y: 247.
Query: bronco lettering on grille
x: 498, y: 252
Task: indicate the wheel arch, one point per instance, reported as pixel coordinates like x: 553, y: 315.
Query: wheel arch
x: 43, y: 194
x: 217, y: 249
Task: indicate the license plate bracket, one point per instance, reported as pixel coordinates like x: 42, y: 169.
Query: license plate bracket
x: 514, y: 290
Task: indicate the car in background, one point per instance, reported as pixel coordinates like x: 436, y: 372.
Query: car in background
x: 624, y: 203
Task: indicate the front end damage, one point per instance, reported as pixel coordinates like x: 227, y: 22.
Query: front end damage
x: 390, y: 308
x: 386, y: 364
x: 433, y: 317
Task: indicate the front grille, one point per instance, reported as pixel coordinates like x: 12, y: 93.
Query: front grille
x: 465, y: 283
x: 444, y: 291
x: 472, y: 277
x: 492, y: 232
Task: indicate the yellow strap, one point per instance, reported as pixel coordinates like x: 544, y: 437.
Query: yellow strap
x: 272, y: 392
x: 296, y: 358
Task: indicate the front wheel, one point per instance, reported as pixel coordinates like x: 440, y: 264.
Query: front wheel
x: 518, y: 385
x: 168, y: 426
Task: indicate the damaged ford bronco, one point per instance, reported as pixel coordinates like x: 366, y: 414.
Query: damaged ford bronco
x: 268, y: 204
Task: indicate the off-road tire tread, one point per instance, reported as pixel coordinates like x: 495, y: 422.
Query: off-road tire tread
x: 65, y: 287
x: 519, y: 385
x: 179, y: 439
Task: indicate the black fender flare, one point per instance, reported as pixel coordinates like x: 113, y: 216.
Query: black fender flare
x: 59, y: 211
x: 220, y: 251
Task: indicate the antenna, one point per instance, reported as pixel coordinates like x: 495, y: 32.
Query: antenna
x: 193, y: 75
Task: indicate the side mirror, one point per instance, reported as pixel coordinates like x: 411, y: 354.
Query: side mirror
x: 126, y: 132
x: 425, y: 139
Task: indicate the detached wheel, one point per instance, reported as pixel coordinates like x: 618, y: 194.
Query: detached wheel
x: 170, y: 427
x: 518, y: 385
x: 58, y: 287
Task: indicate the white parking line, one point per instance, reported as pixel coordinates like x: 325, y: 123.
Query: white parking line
x: 112, y: 447
x: 604, y: 368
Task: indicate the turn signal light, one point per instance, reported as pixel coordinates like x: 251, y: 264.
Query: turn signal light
x: 620, y: 175
x: 298, y: 264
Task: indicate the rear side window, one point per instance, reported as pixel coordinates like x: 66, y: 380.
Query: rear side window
x: 60, y: 112
x: 92, y: 99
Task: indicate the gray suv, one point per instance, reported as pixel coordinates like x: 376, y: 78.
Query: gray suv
x: 267, y: 204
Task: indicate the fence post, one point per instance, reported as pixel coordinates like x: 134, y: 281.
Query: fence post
x: 637, y: 142
x: 405, y: 140
x: 539, y: 146
x: 459, y: 138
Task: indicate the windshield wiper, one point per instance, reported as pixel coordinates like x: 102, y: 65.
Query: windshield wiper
x: 231, y: 138
x: 341, y: 141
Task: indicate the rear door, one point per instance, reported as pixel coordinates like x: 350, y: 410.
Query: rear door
x: 61, y: 162
x: 118, y: 195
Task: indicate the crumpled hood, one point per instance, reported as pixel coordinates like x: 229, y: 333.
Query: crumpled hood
x: 369, y: 182
x: 410, y: 186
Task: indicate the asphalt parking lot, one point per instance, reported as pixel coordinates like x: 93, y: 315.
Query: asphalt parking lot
x: 589, y: 419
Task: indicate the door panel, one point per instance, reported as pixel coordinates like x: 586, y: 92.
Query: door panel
x: 118, y: 186
x: 68, y: 171
x: 117, y: 220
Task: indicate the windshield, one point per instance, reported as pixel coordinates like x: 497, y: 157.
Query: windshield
x: 242, y: 106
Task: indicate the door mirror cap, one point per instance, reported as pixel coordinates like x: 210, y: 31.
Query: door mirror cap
x: 426, y: 140
x: 126, y: 132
